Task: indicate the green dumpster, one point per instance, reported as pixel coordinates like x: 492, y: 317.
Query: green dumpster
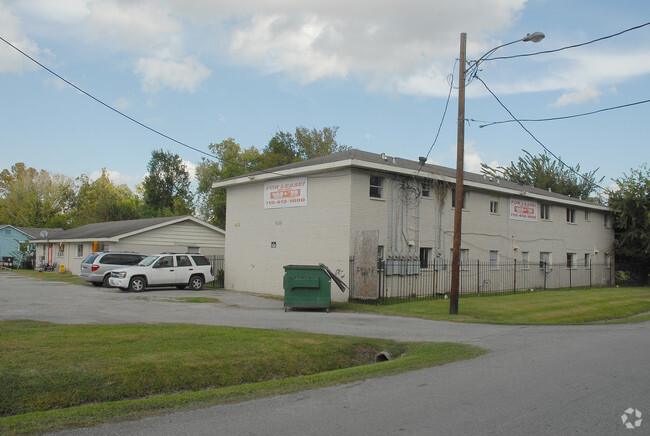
x: 306, y: 286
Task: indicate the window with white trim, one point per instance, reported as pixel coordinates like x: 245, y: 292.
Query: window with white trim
x: 524, y: 260
x: 376, y: 186
x: 570, y: 260
x: 545, y: 211
x: 453, y: 198
x: 570, y: 215
x: 494, y: 258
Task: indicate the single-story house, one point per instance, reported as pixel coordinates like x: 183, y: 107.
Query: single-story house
x: 181, y: 234
x: 11, y: 238
x: 355, y: 204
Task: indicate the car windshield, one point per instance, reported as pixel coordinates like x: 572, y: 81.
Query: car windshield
x: 148, y: 260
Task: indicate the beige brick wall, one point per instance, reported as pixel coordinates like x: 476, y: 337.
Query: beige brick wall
x: 339, y: 205
x: 304, y: 235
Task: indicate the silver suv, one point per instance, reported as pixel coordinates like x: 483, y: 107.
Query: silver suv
x: 96, y: 267
x: 166, y: 269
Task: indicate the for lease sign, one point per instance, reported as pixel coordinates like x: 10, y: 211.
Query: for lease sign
x: 523, y: 210
x: 285, y: 193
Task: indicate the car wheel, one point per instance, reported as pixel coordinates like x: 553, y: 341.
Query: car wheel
x: 105, y: 282
x: 137, y: 284
x: 196, y: 283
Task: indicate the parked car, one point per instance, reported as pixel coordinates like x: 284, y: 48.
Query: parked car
x: 96, y: 267
x: 166, y: 269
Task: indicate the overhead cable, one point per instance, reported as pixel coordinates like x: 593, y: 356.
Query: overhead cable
x: 515, y: 119
x: 570, y: 46
x: 492, y: 123
x: 157, y: 132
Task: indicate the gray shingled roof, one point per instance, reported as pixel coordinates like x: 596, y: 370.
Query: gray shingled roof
x: 34, y: 232
x: 427, y: 170
x: 107, y: 230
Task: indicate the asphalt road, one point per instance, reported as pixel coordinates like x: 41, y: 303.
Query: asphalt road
x: 547, y: 380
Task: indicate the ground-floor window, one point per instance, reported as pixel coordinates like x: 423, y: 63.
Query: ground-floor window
x: 80, y: 250
x: 425, y: 257
x: 570, y: 260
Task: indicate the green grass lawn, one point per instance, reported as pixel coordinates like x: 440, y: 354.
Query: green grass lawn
x: 542, y: 307
x: 56, y: 376
x: 52, y: 276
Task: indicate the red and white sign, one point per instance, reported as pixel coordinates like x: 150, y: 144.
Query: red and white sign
x: 285, y: 193
x: 523, y: 210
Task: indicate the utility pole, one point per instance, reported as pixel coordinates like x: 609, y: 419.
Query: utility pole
x: 460, y: 158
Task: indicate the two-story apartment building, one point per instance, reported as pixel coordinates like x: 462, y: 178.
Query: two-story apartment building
x: 325, y: 210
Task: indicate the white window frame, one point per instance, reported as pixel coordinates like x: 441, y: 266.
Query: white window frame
x: 80, y: 250
x: 545, y: 211
x: 494, y: 207
x: 426, y: 256
x: 571, y: 261
x: 426, y: 190
x: 494, y: 259
x: 545, y: 256
x: 453, y: 198
x: 376, y: 189
x: 570, y: 215
x: 525, y: 264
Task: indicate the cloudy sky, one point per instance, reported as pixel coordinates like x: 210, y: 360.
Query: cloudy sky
x: 202, y: 71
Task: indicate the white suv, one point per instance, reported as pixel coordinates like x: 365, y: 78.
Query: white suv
x: 165, y: 269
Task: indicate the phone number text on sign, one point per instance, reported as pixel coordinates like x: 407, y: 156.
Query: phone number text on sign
x: 285, y: 193
x: 523, y: 210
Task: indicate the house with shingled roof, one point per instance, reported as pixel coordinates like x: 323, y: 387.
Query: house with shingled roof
x: 179, y: 234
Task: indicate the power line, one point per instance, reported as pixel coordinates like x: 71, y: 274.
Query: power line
x: 450, y: 80
x: 570, y: 46
x: 515, y: 119
x: 157, y: 132
x: 492, y: 123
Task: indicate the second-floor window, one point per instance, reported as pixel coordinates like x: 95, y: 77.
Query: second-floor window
x: 453, y: 198
x: 570, y: 215
x: 376, y: 186
x: 545, y: 211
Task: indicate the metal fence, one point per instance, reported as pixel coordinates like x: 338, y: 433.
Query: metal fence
x: 217, y: 261
x: 409, y: 281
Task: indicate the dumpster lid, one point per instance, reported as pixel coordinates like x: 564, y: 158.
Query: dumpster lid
x: 342, y: 286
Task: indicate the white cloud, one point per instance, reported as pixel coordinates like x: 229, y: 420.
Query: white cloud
x: 181, y: 76
x: 121, y: 104
x: 191, y: 169
x: 10, y: 59
x: 578, y: 97
x: 405, y: 47
x: 137, y: 27
x: 118, y: 178
x: 387, y: 43
x: 61, y: 12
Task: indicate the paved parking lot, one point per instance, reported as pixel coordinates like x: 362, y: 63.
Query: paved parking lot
x: 538, y: 380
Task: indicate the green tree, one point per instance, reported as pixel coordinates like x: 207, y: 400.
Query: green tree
x: 166, y: 189
x: 630, y: 203
x: 232, y: 161
x: 101, y: 200
x: 32, y: 198
x: 316, y: 143
x: 543, y: 172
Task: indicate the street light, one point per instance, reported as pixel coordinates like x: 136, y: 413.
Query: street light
x: 460, y: 157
